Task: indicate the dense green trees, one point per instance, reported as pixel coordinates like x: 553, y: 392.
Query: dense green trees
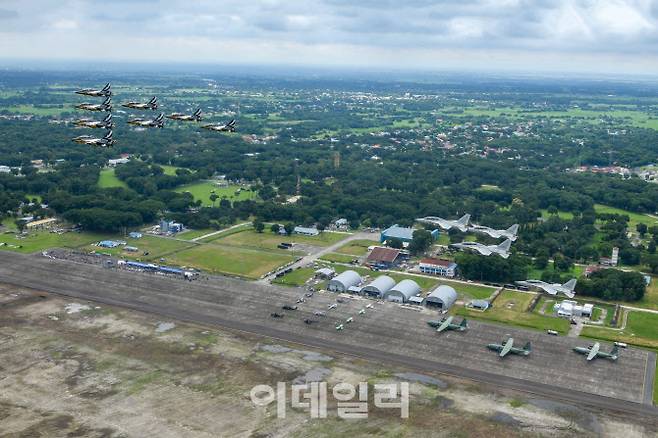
x: 613, y: 284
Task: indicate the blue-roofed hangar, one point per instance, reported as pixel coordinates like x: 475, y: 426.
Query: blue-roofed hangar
x: 402, y: 233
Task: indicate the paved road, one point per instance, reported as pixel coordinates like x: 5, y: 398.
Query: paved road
x: 386, y: 334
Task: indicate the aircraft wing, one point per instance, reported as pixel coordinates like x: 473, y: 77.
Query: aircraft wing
x: 593, y: 351
x: 549, y: 290
x: 507, y: 347
x: 445, y: 324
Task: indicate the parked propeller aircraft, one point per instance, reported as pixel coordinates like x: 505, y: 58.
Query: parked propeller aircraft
x: 461, y: 224
x: 103, y: 92
x: 551, y: 288
x: 105, y: 141
x: 158, y: 122
x: 509, y: 233
x: 194, y: 117
x: 339, y: 327
x: 507, y: 347
x: 151, y: 104
x: 221, y: 127
x: 91, y: 123
x: 486, y: 250
x: 105, y: 106
x: 594, y: 351
x: 446, y: 324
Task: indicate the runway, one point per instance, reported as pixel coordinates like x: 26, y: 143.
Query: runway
x: 386, y: 334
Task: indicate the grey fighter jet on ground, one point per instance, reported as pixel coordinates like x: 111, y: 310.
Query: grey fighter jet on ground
x: 94, y: 124
x: 158, y: 122
x: 103, y: 92
x: 106, y: 141
x: 461, y: 224
x: 485, y: 250
x: 151, y: 104
x: 194, y: 117
x: 509, y: 233
x: 105, y: 106
x: 551, y: 288
x: 221, y: 127
x: 446, y: 324
x: 594, y: 351
x: 507, y: 347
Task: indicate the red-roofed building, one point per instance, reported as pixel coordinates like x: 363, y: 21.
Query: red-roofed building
x: 445, y: 268
x: 381, y: 257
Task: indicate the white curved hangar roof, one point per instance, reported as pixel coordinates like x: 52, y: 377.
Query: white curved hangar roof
x: 443, y: 296
x: 344, y: 281
x: 379, y: 286
x: 403, y: 291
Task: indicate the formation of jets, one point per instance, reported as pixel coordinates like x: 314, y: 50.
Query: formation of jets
x: 447, y: 324
x: 142, y: 122
x: 567, y: 289
x: 594, y: 351
x: 507, y: 346
x: 157, y: 122
x: 510, y: 233
x: 485, y: 250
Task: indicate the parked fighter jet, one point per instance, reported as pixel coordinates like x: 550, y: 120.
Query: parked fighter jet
x: 551, y: 288
x: 593, y: 351
x: 348, y: 320
x: 105, y: 106
x: 362, y: 312
x: 194, y: 117
x: 507, y: 346
x: 446, y: 324
x: 486, y: 250
x: 151, y: 104
x: 105, y: 141
x: 369, y: 306
x: 332, y: 306
x: 509, y: 233
x: 461, y: 224
x: 91, y: 123
x: 339, y: 327
x: 103, y: 92
x: 158, y: 122
x: 221, y: 127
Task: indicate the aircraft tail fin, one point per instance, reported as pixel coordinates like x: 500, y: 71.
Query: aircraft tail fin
x: 160, y: 117
x: 197, y: 114
x: 527, y: 347
x: 505, y: 246
x: 614, y: 351
x: 464, y: 219
x: 571, y: 284
x: 108, y: 136
x: 153, y: 100
x: 106, y: 87
x: 514, y: 229
x: 464, y: 323
x: 108, y: 118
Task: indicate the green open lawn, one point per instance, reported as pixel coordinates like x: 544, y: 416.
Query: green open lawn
x: 242, y: 262
x: 337, y: 258
x: 41, y: 240
x: 296, y: 278
x: 157, y: 247
x: 511, y: 308
x: 108, y: 179
x: 641, y: 329
x: 193, y: 234
x: 635, y: 218
x: 268, y: 240
x: 561, y: 214
x: 202, y: 191
x: 357, y: 247
x: 650, y: 299
x: 575, y: 272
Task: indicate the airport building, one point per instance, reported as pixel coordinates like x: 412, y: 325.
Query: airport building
x: 170, y: 227
x: 569, y: 308
x: 306, y: 231
x: 478, y: 304
x: 325, y: 273
x: 401, y: 292
x: 442, y: 297
x: 344, y: 281
x: 404, y: 234
x: 445, y: 268
x: 379, y: 286
x: 383, y: 258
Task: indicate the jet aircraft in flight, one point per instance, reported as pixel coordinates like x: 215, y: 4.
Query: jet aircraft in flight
x: 460, y: 224
x: 105, y: 141
x: 221, y: 127
x: 150, y: 105
x: 103, y: 92
x: 509, y: 233
x: 551, y: 288
x: 158, y: 122
x: 486, y: 250
x: 91, y: 123
x: 194, y: 117
x: 106, y: 105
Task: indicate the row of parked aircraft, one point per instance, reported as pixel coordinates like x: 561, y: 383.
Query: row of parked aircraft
x: 152, y: 104
x: 507, y: 345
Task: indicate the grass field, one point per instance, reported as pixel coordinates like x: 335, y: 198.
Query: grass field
x: 337, y: 258
x: 268, y: 240
x: 41, y: 240
x: 193, y: 234
x: 108, y: 179
x: 357, y: 247
x: 641, y: 329
x: 202, y: 191
x: 39, y: 111
x: 511, y: 308
x: 635, y: 218
x: 157, y: 247
x: 241, y: 262
x: 650, y: 299
x: 575, y: 272
x: 296, y: 278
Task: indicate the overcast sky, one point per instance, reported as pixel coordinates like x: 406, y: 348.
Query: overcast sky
x: 602, y: 36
